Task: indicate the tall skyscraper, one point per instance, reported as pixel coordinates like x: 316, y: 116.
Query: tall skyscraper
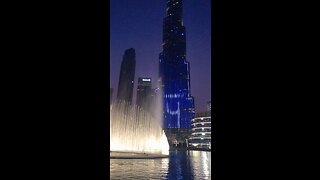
x: 126, y: 80
x: 174, y: 70
x: 144, y: 93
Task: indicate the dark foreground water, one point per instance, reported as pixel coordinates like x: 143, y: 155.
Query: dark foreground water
x: 179, y: 165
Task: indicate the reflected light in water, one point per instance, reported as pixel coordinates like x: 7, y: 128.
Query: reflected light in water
x: 206, y: 162
x: 179, y: 165
x: 201, y: 160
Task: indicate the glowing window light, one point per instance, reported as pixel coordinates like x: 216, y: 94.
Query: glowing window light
x: 148, y: 80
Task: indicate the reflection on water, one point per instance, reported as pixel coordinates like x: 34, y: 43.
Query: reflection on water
x: 179, y: 165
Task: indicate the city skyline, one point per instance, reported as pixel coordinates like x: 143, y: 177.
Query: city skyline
x: 138, y: 24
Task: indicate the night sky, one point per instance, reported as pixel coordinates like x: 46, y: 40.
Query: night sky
x: 138, y: 24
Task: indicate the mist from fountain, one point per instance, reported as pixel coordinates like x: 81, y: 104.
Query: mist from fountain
x: 135, y: 130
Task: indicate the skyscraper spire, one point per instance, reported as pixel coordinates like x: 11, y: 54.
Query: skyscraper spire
x: 174, y: 7
x: 174, y: 36
x: 174, y: 70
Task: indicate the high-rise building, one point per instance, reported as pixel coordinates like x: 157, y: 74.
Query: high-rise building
x: 144, y: 93
x: 126, y: 80
x: 174, y: 70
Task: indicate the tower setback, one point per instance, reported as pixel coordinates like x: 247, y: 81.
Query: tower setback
x: 174, y: 70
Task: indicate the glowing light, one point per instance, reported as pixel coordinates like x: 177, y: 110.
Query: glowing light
x: 147, y: 80
x: 126, y: 135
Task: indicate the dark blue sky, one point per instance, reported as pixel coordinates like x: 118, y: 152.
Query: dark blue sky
x: 138, y: 24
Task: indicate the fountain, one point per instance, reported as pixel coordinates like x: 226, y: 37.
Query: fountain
x: 135, y: 133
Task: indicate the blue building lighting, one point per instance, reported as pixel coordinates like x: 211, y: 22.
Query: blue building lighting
x: 174, y: 70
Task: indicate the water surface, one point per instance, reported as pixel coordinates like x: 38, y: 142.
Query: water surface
x: 179, y: 165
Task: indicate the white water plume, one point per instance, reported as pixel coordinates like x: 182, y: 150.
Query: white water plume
x: 134, y: 130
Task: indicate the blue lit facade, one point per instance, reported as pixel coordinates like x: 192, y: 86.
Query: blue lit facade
x: 174, y: 70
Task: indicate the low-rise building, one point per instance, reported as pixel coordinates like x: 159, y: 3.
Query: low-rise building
x: 201, y: 131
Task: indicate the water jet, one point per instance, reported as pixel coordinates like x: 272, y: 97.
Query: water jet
x: 135, y: 133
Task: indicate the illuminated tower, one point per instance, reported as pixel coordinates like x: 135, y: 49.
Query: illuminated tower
x: 174, y: 70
